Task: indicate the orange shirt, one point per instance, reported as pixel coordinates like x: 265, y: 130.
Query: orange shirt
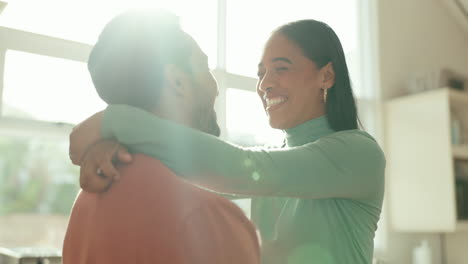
x: 152, y: 216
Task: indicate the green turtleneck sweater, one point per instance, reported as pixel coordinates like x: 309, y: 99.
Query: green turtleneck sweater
x: 317, y: 200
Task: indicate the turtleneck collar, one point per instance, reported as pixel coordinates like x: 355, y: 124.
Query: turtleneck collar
x: 308, y: 132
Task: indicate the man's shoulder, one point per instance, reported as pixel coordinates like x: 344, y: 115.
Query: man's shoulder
x: 142, y: 164
x: 145, y: 175
x: 146, y: 187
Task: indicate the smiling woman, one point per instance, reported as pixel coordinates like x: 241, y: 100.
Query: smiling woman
x: 290, y: 85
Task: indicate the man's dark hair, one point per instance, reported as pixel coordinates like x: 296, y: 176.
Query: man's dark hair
x: 127, y: 63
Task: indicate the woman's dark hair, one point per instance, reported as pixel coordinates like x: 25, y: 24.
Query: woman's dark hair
x: 320, y: 44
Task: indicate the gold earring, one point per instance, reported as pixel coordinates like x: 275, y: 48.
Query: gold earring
x: 325, y: 91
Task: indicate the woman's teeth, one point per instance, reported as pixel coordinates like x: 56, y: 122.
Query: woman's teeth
x: 275, y: 101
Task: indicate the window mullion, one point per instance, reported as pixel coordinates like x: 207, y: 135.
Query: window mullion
x: 221, y: 36
x: 220, y: 72
x: 2, y: 73
x: 30, y: 128
x: 44, y: 45
x: 241, y: 82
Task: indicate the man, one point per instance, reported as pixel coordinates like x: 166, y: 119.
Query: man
x: 150, y: 215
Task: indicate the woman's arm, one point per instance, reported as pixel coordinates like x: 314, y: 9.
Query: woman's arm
x: 83, y: 136
x: 343, y: 165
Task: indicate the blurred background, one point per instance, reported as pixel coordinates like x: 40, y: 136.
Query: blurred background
x: 408, y: 61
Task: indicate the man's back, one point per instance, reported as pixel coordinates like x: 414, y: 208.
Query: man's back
x: 152, y: 216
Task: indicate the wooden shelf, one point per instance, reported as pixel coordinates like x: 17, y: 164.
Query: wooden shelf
x: 462, y: 226
x: 460, y: 151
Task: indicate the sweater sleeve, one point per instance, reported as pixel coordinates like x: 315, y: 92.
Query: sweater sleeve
x: 347, y: 164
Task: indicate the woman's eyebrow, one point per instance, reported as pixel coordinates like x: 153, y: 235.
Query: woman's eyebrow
x: 284, y: 59
x: 281, y: 59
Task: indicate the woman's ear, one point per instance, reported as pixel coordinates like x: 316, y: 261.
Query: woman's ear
x: 177, y: 80
x: 328, y: 76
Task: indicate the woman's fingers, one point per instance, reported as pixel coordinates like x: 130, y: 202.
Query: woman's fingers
x: 107, y: 169
x: 91, y: 179
x: 123, y: 155
x: 97, y: 169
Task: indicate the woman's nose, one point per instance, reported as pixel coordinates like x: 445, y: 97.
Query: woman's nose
x: 266, y: 86
x: 264, y: 90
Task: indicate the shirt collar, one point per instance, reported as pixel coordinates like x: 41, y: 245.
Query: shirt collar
x: 308, y: 131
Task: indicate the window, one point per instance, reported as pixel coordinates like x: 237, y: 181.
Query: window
x: 246, y: 120
x: 49, y: 89
x: 46, y: 82
x: 253, y: 21
x: 38, y: 187
x: 83, y: 20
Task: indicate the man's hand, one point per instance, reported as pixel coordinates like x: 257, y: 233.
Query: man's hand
x: 83, y: 136
x: 97, y: 167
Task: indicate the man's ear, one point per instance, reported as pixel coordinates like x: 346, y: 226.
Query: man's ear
x: 328, y: 76
x: 177, y: 79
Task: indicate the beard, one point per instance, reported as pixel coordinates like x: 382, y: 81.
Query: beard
x: 204, y: 119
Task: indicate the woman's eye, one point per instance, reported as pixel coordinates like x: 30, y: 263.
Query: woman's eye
x: 281, y: 69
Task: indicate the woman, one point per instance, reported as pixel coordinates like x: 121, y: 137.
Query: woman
x: 316, y: 200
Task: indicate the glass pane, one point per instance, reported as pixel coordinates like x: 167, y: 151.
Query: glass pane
x: 246, y: 121
x: 38, y: 187
x: 47, y: 88
x: 255, y: 20
x: 64, y: 19
x: 201, y: 25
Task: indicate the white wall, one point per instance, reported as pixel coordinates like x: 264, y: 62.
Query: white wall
x: 415, y: 35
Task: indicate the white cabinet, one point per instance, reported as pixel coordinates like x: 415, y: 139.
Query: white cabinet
x: 420, y: 159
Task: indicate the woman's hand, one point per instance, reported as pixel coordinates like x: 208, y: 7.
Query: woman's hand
x: 98, y: 165
x: 83, y: 136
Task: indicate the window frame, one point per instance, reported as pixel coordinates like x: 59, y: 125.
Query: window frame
x: 14, y: 39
